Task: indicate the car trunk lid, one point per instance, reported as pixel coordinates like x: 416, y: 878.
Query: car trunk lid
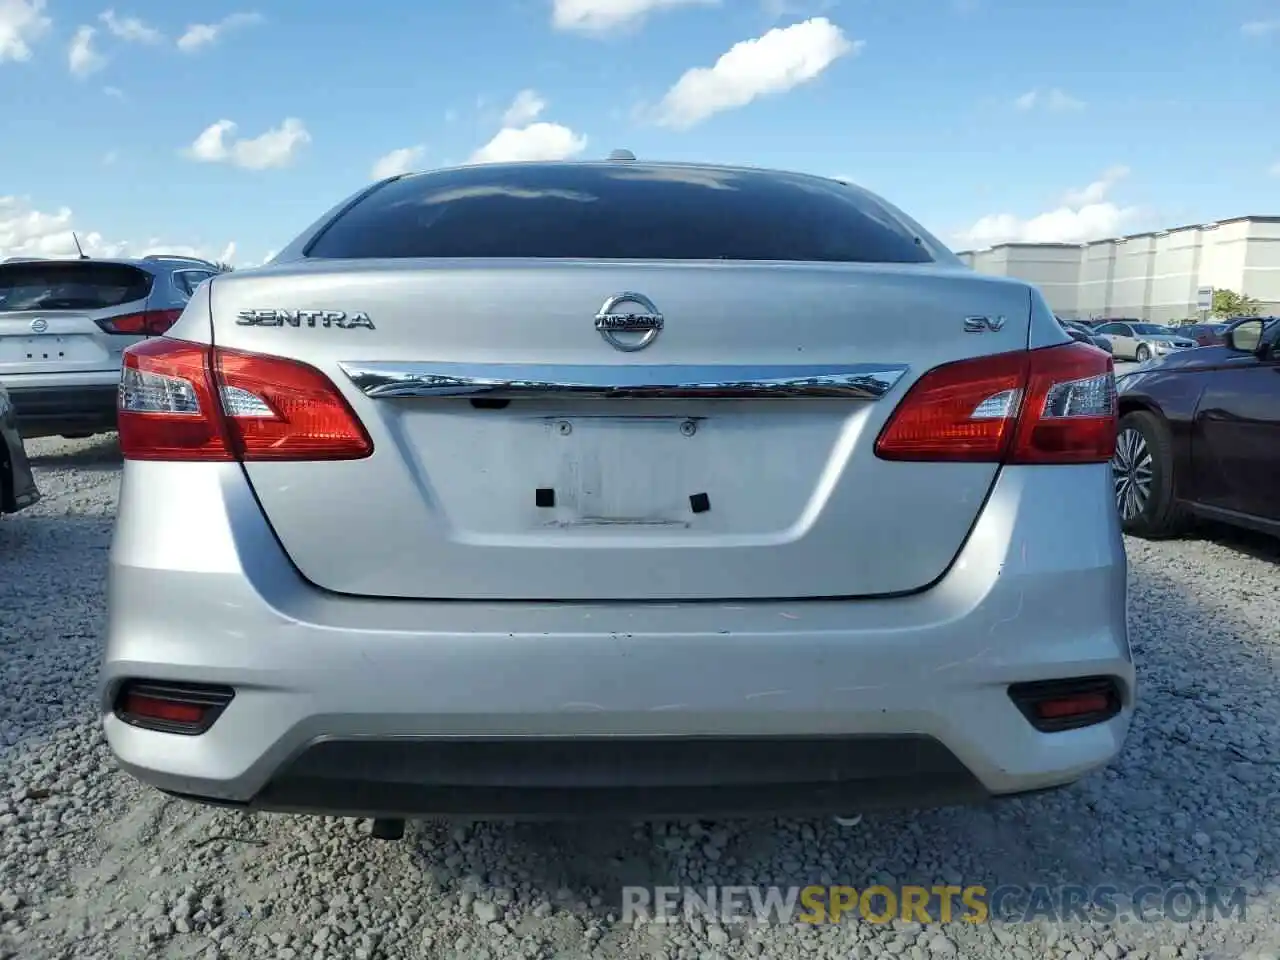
x: 521, y: 456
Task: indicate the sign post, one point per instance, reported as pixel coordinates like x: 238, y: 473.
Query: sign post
x: 1204, y: 302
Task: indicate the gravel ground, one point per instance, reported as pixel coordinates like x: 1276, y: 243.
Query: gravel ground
x: 93, y: 865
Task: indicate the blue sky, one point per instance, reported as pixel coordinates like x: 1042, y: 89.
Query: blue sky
x: 985, y: 119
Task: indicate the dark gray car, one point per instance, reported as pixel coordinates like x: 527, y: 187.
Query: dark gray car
x: 1082, y: 334
x: 65, y: 323
x: 18, y: 488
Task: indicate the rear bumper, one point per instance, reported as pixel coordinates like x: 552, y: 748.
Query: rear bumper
x: 48, y: 406
x: 588, y: 777
x: 367, y: 707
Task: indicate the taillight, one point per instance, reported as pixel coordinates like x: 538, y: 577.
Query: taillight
x: 148, y: 323
x: 1052, y: 405
x: 191, y: 401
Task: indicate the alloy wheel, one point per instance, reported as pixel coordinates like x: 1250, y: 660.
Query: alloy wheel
x: 1131, y: 471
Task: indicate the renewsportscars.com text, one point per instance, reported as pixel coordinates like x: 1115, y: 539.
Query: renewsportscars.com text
x: 941, y: 903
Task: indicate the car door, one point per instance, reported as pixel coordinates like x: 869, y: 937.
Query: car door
x: 1123, y: 344
x: 1236, y: 433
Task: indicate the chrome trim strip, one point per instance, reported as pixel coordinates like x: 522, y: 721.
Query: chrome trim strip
x: 857, y: 381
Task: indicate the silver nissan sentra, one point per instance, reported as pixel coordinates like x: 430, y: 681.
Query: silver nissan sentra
x: 558, y: 489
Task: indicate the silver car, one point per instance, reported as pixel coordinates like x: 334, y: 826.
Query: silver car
x: 1131, y: 340
x: 555, y: 489
x: 64, y: 325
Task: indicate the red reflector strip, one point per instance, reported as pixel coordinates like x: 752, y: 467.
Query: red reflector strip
x: 1072, y: 706
x: 152, y: 708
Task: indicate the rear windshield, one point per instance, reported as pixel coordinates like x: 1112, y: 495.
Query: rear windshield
x: 622, y: 212
x: 70, y: 285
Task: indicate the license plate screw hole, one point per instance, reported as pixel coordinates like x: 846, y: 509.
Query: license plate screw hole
x: 544, y: 497
x: 699, y: 503
x: 564, y: 428
x: 688, y: 428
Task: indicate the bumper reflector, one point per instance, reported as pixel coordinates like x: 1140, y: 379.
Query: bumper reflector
x: 1054, y: 705
x: 183, y: 708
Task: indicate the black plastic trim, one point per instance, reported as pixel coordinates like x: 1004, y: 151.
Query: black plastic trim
x: 571, y: 778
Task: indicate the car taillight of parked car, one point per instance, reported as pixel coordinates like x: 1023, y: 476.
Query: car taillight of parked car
x: 1050, y: 405
x: 148, y: 323
x: 191, y: 401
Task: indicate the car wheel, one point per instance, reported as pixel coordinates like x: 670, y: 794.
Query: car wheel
x: 1144, y: 353
x: 1142, y: 473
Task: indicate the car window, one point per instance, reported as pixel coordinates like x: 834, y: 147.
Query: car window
x: 622, y: 211
x: 70, y: 285
x: 1116, y: 329
x: 187, y: 280
x: 1153, y: 330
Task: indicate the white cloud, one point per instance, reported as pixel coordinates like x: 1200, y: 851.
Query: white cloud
x: 276, y: 148
x: 397, y: 162
x: 1084, y: 214
x: 130, y: 29
x: 538, y: 141
x: 1055, y: 100
x: 115, y: 93
x: 768, y: 65
x: 1096, y: 191
x: 1260, y: 28
x: 525, y: 109
x: 522, y: 139
x: 602, y: 16
x: 82, y: 59
x: 200, y: 35
x: 22, y: 22
x: 27, y: 232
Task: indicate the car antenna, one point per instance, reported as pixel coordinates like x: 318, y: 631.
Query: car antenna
x: 79, y: 249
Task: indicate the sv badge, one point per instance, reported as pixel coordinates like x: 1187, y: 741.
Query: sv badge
x: 983, y: 324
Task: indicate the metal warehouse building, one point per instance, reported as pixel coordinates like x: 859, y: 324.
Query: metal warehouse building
x: 1149, y: 276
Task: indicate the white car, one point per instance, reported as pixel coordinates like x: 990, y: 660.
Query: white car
x: 564, y: 489
x: 1142, y: 341
x: 64, y: 325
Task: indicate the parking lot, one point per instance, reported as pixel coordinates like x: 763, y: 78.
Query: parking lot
x: 93, y: 865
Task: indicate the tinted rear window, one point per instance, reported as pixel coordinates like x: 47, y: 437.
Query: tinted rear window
x: 70, y: 285
x: 628, y: 212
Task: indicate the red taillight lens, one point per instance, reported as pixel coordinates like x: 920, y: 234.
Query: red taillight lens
x: 190, y: 401
x: 1053, y: 405
x: 149, y: 323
